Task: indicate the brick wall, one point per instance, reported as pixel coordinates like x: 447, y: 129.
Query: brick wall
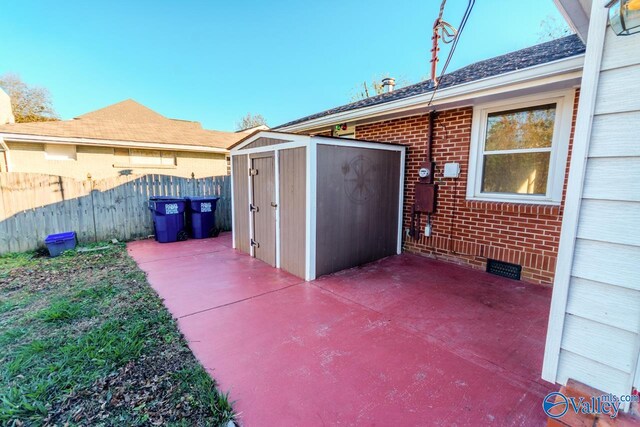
x: 469, y: 232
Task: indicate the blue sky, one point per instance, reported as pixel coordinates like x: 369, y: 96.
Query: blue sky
x: 214, y: 61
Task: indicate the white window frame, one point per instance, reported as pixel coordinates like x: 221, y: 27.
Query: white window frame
x: 559, y: 147
x: 57, y: 152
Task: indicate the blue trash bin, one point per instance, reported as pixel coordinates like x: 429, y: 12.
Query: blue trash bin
x: 168, y: 218
x: 58, y: 243
x: 201, y: 217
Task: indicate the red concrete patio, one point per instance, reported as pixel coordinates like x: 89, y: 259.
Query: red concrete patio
x: 402, y: 341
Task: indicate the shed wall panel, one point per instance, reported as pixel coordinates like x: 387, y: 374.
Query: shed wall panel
x: 357, y: 206
x: 241, y: 203
x: 293, y: 178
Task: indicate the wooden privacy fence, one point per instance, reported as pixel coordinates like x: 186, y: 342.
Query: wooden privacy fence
x: 33, y: 206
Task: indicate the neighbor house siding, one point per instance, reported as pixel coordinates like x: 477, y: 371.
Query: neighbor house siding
x: 105, y: 162
x: 464, y: 231
x: 600, y: 325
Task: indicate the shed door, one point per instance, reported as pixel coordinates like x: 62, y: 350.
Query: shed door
x: 264, y: 207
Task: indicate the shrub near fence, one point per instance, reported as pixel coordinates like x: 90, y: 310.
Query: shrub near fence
x: 33, y: 206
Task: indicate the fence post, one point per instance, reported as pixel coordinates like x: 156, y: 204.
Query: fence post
x: 93, y: 208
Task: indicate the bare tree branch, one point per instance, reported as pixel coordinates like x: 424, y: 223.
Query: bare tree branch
x: 29, y: 103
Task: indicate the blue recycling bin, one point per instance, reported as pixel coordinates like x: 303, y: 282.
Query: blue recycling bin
x: 201, y: 217
x: 58, y: 243
x: 168, y: 218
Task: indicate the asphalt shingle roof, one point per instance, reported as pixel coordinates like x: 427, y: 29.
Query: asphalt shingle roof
x: 129, y: 121
x: 535, y: 55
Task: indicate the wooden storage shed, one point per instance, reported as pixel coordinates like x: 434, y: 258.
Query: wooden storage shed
x: 312, y: 205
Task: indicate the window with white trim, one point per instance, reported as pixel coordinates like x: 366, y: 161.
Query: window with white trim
x: 59, y: 152
x: 519, y: 150
x: 152, y: 157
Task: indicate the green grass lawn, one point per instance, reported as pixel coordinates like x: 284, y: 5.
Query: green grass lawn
x: 84, y: 340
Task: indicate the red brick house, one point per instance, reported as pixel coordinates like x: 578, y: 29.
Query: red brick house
x: 504, y: 128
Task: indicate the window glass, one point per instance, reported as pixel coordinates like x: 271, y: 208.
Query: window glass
x: 521, y: 173
x: 521, y: 129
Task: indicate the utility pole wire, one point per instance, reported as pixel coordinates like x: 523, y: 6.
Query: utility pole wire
x: 463, y: 23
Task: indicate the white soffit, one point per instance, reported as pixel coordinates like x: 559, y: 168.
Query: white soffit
x: 576, y: 13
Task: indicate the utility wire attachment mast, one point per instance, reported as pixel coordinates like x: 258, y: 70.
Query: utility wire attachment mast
x: 441, y: 30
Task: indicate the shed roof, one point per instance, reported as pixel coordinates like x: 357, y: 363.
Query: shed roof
x: 535, y: 55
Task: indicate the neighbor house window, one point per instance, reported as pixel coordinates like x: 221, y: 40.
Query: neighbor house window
x: 519, y: 150
x: 59, y: 152
x: 152, y: 157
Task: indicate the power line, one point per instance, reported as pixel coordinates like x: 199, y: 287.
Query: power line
x: 463, y: 23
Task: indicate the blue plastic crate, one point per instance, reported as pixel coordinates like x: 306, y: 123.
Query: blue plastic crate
x: 58, y: 243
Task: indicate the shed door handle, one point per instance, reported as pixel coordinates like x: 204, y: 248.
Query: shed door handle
x: 274, y: 205
x: 253, y: 208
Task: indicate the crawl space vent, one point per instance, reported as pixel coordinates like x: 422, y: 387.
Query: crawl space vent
x: 504, y: 269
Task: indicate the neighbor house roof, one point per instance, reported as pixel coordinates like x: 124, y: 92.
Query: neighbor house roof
x: 536, y: 55
x: 127, y: 121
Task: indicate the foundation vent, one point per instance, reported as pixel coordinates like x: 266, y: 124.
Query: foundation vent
x: 504, y: 269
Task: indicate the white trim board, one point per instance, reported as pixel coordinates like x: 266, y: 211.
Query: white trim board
x: 252, y: 251
x: 266, y: 148
x: 233, y: 215
x: 311, y: 231
x: 276, y: 183
x: 581, y: 140
x: 350, y: 142
x: 403, y: 155
x: 13, y: 137
x: 304, y: 141
x: 289, y: 137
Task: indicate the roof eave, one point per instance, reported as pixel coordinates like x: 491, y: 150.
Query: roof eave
x: 562, y: 69
x: 576, y: 14
x: 19, y: 137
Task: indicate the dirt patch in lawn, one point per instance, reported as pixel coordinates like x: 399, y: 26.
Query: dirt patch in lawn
x: 84, y: 340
